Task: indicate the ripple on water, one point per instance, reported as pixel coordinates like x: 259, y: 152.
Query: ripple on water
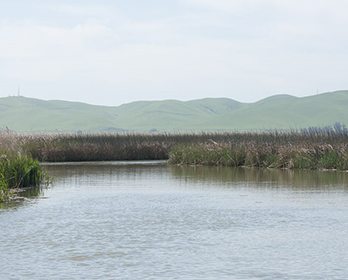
x: 150, y: 222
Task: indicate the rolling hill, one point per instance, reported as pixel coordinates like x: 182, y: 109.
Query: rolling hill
x: 209, y: 114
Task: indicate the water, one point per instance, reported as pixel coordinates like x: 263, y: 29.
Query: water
x: 154, y: 221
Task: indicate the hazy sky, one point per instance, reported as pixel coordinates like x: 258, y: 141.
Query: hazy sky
x: 116, y: 51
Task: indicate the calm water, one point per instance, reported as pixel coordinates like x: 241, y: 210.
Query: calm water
x: 153, y: 221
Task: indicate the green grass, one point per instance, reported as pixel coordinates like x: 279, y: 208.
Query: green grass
x: 17, y: 168
x: 209, y: 114
x: 18, y: 171
x: 5, y: 192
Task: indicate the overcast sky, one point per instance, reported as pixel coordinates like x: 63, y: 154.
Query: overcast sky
x: 111, y: 52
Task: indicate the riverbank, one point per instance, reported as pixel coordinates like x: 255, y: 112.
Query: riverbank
x: 305, y: 149
x: 256, y: 147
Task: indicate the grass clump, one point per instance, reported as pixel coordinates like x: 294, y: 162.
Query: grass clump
x: 20, y: 171
x: 17, y: 169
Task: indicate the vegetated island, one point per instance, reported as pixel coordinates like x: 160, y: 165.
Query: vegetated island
x: 312, y: 148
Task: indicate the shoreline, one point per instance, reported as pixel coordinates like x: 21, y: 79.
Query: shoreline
x: 22, y: 156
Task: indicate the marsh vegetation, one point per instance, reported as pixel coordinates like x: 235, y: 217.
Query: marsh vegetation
x: 311, y: 148
x: 18, y: 169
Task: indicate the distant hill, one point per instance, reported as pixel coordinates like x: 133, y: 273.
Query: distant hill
x: 209, y: 114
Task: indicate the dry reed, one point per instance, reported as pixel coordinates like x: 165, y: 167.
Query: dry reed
x: 295, y: 149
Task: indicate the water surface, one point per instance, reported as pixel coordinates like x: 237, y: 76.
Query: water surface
x: 148, y: 220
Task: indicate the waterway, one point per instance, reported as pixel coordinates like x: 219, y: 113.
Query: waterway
x: 149, y: 220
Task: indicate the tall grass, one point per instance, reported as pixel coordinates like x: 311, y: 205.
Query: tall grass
x: 311, y: 148
x: 266, y: 155
x: 104, y: 147
x: 5, y: 192
x: 306, y: 148
x: 17, y: 168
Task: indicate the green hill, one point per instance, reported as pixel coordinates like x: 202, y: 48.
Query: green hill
x: 209, y: 114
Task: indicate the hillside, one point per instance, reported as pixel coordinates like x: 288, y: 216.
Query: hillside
x: 209, y: 114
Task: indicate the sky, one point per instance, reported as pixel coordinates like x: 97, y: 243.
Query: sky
x: 110, y: 52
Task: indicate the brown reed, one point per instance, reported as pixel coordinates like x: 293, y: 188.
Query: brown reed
x: 295, y: 149
x: 304, y: 155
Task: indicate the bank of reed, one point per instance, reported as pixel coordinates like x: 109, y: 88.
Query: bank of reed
x: 323, y: 156
x: 20, y: 154
x: 309, y: 148
x: 295, y: 150
x: 107, y: 147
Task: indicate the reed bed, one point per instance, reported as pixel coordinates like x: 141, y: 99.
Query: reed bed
x: 305, y: 155
x: 243, y: 148
x: 306, y: 148
x: 106, y: 147
x: 310, y: 148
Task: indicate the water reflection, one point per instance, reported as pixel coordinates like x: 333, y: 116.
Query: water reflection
x: 83, y: 169
x: 117, y: 175
x: 23, y: 195
x: 32, y: 192
x: 106, y: 173
x: 139, y: 221
x: 301, y: 179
